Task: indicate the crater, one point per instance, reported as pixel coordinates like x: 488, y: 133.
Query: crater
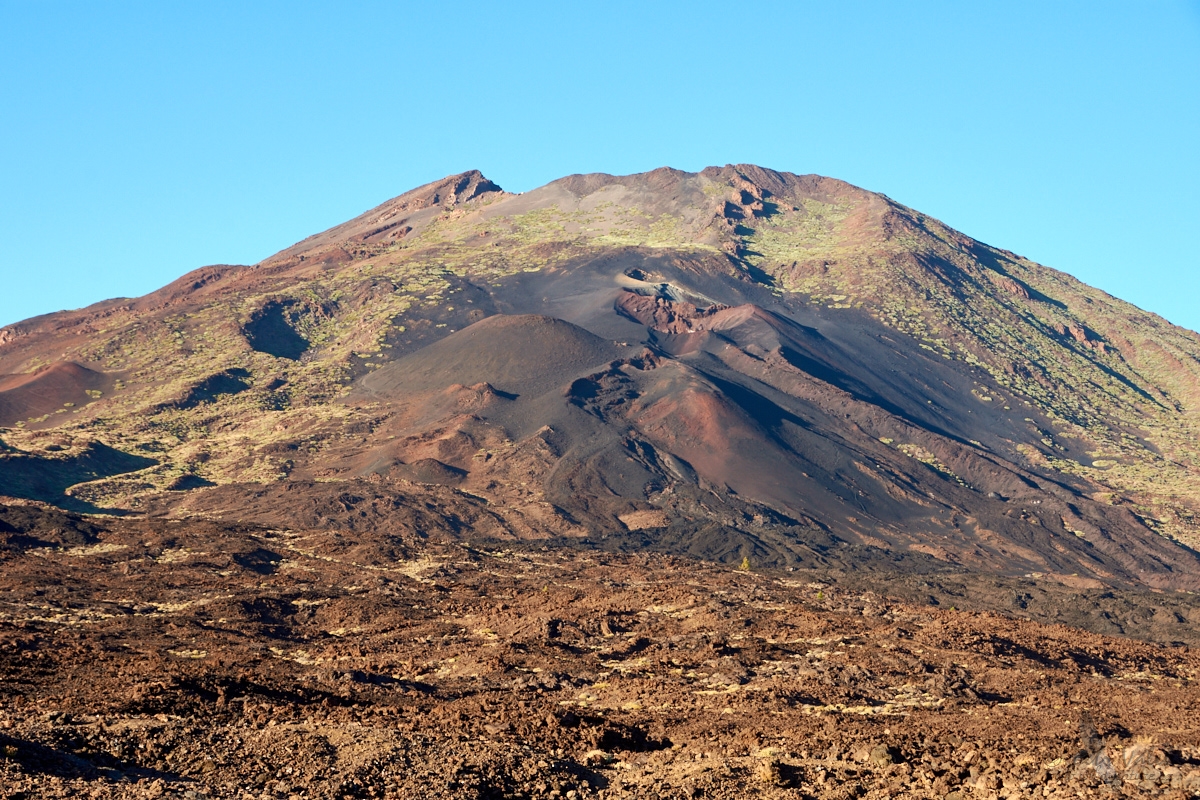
x: 231, y: 381
x: 271, y: 330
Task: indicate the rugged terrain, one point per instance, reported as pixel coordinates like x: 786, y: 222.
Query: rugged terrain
x: 156, y: 658
x: 742, y: 362
x: 680, y: 484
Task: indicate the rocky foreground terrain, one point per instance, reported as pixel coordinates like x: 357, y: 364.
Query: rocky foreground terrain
x: 157, y: 658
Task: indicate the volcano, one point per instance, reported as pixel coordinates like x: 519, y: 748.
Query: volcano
x: 736, y: 364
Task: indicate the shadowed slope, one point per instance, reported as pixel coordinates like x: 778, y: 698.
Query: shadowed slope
x: 521, y: 354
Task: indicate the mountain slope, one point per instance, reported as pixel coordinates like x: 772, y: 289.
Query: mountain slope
x: 732, y: 363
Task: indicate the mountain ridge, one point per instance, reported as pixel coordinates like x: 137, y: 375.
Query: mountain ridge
x: 913, y: 390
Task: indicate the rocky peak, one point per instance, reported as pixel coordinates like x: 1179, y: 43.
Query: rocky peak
x: 392, y: 220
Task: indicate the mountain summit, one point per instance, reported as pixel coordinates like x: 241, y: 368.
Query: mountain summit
x: 736, y: 363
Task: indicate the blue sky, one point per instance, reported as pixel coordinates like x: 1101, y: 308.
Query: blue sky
x: 142, y: 140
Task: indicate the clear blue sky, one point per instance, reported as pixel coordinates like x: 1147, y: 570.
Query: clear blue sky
x: 141, y: 140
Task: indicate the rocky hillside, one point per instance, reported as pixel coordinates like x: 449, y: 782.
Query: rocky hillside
x: 736, y: 363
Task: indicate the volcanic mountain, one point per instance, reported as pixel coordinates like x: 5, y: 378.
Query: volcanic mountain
x: 736, y: 363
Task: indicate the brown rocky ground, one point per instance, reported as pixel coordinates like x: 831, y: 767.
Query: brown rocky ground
x: 156, y: 658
